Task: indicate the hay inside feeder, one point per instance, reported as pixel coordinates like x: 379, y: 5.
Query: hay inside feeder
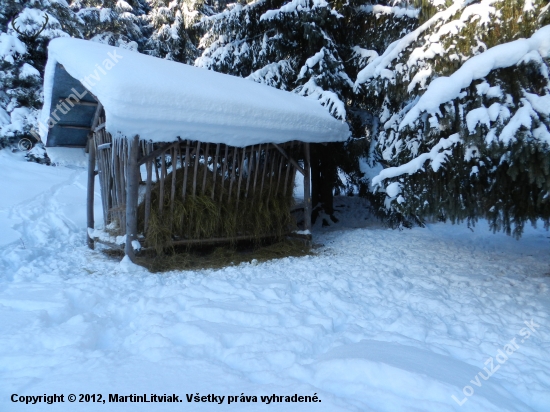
x: 258, y: 214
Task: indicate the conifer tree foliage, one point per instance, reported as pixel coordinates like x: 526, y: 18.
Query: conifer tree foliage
x: 25, y: 30
x: 175, y: 30
x: 482, y: 152
x: 116, y: 22
x: 26, y: 27
x: 310, y: 47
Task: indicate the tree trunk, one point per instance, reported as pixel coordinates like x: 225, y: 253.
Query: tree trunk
x: 323, y: 174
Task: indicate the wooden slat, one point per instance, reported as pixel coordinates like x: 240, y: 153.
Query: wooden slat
x: 307, y: 187
x: 281, y: 161
x: 197, y: 158
x: 206, y: 154
x: 174, y: 153
x: 90, y: 198
x: 266, y: 160
x: 161, y: 183
x: 224, y: 170
x: 148, y: 190
x: 250, y: 169
x: 232, y: 179
x: 214, y: 240
x: 257, y: 167
x: 215, y: 170
x: 240, y: 179
x: 132, y: 191
x: 273, y: 156
x: 185, y: 169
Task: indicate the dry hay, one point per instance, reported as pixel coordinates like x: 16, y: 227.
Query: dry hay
x: 201, y: 217
x: 221, y: 256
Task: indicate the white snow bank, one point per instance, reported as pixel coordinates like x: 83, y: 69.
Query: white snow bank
x: 65, y: 156
x: 161, y: 100
x: 376, y: 320
x: 444, y: 89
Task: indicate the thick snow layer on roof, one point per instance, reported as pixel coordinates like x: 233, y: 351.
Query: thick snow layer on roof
x: 161, y: 100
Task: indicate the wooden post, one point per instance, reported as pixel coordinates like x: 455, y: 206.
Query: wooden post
x: 307, y: 189
x: 132, y: 190
x: 91, y: 181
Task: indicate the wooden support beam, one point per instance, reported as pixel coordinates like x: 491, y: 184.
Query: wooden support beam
x: 132, y: 190
x: 148, y: 189
x: 91, y: 177
x: 290, y: 159
x: 91, y: 182
x: 307, y: 188
x: 155, y: 153
x: 73, y: 102
x: 69, y: 126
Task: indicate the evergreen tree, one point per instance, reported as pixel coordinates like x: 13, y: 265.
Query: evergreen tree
x: 309, y: 47
x: 26, y: 29
x: 483, y: 153
x: 175, y: 31
x: 116, y: 22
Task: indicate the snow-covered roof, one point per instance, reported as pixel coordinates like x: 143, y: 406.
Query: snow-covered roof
x: 161, y: 100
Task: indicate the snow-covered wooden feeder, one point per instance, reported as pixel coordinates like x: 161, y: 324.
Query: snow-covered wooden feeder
x: 184, y: 155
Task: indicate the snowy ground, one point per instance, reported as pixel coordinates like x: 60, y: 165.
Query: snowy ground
x: 378, y: 320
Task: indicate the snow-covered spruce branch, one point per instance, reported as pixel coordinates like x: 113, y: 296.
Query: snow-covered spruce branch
x: 444, y: 89
x: 436, y: 156
x: 398, y: 12
x: 375, y: 68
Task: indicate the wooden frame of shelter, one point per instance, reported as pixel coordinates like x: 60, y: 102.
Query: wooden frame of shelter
x: 118, y: 162
x: 210, y: 145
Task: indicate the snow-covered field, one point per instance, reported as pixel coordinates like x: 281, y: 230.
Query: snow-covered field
x: 378, y: 320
